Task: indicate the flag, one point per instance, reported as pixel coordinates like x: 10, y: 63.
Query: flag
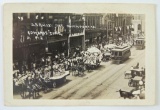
x: 116, y: 14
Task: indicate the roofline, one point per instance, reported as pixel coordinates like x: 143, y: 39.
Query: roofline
x: 121, y: 49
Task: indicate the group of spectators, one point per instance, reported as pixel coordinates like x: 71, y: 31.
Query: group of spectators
x: 53, y: 66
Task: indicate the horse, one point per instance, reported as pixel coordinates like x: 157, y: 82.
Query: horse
x: 44, y: 84
x: 23, y: 89
x: 33, y: 88
x: 73, y: 69
x: 20, y: 87
x: 88, y: 67
x: 125, y: 94
x: 80, y: 70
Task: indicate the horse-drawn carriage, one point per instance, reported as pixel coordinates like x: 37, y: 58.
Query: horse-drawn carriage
x: 31, y: 83
x: 26, y: 86
x: 55, y: 75
x: 134, y: 72
x: 58, y: 78
x: 94, y: 57
x: 106, y: 56
x: 125, y: 93
x: 135, y: 75
x: 135, y: 82
x: 132, y: 93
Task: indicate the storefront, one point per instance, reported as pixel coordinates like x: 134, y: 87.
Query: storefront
x: 57, y: 45
x: 94, y: 37
x: 27, y: 53
x: 76, y: 43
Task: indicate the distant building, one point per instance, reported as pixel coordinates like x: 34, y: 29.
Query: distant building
x: 118, y: 25
x: 138, y: 23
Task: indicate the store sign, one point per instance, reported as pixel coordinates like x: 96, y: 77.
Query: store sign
x: 58, y: 29
x: 41, y: 25
x: 43, y: 33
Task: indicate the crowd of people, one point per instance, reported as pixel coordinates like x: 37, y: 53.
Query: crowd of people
x: 36, y: 78
x: 32, y: 80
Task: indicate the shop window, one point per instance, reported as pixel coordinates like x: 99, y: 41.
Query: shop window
x: 116, y: 53
x: 120, y: 53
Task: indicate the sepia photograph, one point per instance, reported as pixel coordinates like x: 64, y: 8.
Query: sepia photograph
x: 73, y: 56
x: 80, y: 55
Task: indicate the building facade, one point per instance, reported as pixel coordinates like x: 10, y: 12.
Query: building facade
x: 76, y: 33
x: 138, y: 23
x: 118, y: 25
x: 95, y: 31
x: 35, y: 34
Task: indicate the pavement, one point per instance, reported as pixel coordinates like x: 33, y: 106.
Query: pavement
x: 101, y: 83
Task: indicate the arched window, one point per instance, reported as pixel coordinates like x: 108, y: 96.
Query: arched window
x: 139, y: 26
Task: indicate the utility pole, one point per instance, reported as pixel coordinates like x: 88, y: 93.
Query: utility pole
x: 107, y: 21
x: 83, y: 38
x: 69, y: 26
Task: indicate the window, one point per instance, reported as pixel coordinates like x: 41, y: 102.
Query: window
x: 112, y: 52
x: 139, y: 26
x: 50, y: 16
x: 116, y: 53
x: 120, y: 53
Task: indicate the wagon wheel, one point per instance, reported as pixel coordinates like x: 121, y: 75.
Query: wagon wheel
x: 126, y: 76
x: 54, y: 84
x: 64, y: 79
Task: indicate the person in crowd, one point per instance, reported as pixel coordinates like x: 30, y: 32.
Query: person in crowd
x: 67, y: 64
x: 15, y: 80
x: 61, y: 69
x: 55, y: 68
x: 131, y: 68
x: 137, y: 66
x: 56, y: 58
x: 76, y: 60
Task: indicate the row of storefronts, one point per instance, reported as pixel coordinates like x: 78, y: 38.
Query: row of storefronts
x: 35, y: 34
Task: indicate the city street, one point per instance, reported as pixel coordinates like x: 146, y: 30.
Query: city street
x: 101, y: 83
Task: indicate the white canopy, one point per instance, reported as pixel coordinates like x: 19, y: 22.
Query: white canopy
x: 110, y: 46
x: 93, y: 50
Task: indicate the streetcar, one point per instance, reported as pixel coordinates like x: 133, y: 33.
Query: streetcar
x: 120, y: 53
x: 140, y: 43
